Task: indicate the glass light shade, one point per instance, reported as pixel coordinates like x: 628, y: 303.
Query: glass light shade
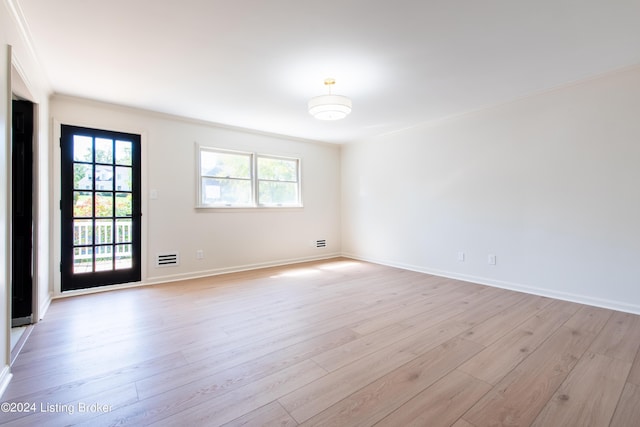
x: 329, y: 107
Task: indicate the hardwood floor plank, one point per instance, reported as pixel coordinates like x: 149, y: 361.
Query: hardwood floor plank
x: 495, y: 327
x: 418, y: 307
x: 588, y: 397
x: 518, y: 398
x: 313, y: 310
x: 439, y: 405
x: 497, y: 360
x: 200, y: 404
x: 231, y: 373
x: 328, y: 390
x: 234, y: 349
x: 589, y: 319
x: 620, y: 337
x: 293, y: 331
x: 77, y: 366
x: 229, y: 406
x: 386, y: 394
x: 628, y: 410
x: 350, y: 352
x: 485, y: 305
x: 634, y: 375
x: 374, y: 341
x: 35, y: 388
x: 500, y: 358
x: 270, y: 415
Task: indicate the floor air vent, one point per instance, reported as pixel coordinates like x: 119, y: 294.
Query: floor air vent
x: 321, y: 243
x: 168, y: 259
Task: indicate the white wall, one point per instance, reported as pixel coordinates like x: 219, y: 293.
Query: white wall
x: 549, y: 184
x: 29, y: 82
x: 33, y: 86
x: 231, y: 239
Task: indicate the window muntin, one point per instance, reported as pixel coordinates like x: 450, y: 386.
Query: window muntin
x: 241, y: 179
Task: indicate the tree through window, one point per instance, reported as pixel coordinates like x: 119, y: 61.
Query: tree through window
x: 240, y: 179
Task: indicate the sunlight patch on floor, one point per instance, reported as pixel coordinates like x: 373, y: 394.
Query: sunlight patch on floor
x: 298, y: 273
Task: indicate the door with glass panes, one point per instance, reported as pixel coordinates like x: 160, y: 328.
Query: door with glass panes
x: 100, y: 204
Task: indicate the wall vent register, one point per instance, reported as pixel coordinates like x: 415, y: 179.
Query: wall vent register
x: 168, y: 259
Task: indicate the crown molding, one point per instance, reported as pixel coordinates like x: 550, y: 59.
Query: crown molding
x: 23, y: 27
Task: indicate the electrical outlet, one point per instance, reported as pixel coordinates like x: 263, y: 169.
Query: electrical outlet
x: 492, y: 259
x: 461, y: 256
x: 199, y: 254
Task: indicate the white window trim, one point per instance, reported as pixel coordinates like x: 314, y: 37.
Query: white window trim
x: 254, y: 205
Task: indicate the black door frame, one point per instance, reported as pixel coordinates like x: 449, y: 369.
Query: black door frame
x: 69, y: 280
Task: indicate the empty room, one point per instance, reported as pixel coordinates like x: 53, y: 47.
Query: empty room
x: 355, y: 213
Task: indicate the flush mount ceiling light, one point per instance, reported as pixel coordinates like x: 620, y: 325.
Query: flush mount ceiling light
x: 329, y: 107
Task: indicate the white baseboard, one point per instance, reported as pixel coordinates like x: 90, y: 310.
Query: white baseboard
x: 550, y: 293
x: 235, y: 269
x: 197, y: 275
x: 5, y: 378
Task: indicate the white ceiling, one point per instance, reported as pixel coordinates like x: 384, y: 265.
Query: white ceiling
x: 255, y: 63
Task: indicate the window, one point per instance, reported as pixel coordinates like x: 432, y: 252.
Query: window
x: 277, y: 181
x: 225, y: 178
x: 239, y: 179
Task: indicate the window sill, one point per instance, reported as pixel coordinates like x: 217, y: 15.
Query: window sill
x: 249, y: 208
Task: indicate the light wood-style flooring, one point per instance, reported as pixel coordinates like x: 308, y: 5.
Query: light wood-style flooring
x: 331, y: 343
